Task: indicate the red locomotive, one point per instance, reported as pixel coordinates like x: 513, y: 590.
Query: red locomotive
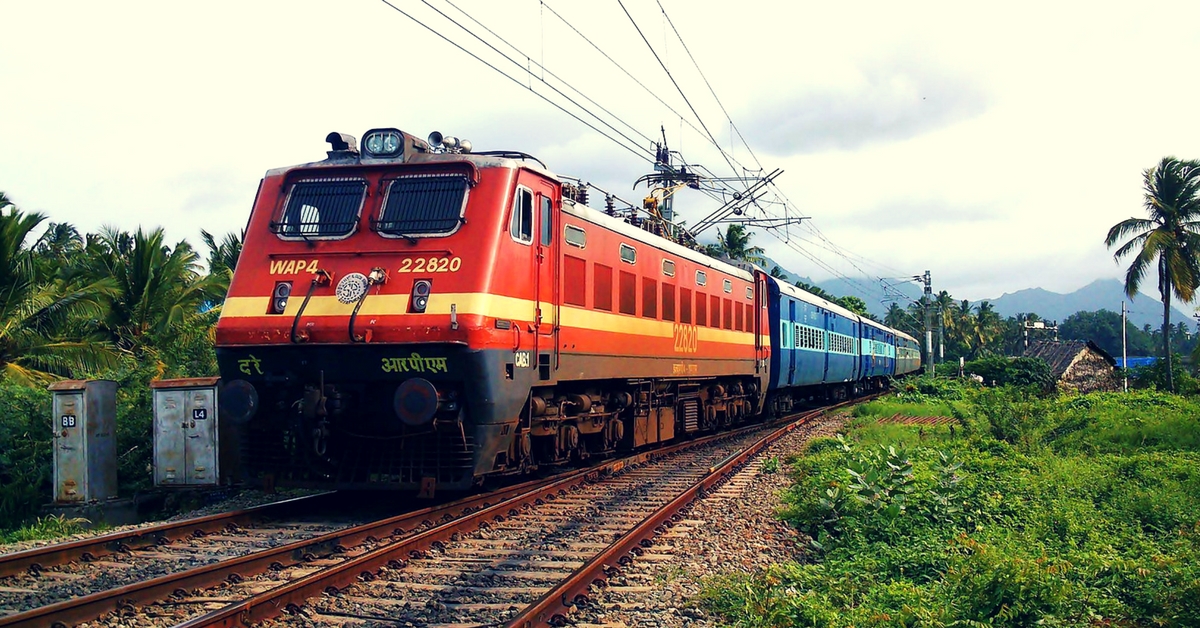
x: 417, y: 316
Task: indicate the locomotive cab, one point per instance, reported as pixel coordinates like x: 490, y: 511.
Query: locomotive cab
x: 389, y: 312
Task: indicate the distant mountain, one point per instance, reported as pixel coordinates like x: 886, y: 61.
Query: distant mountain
x: 1102, y: 294
x: 874, y: 293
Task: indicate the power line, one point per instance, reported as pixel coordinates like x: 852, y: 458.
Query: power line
x: 677, y: 87
x: 546, y: 70
x: 709, y: 85
x: 518, y: 81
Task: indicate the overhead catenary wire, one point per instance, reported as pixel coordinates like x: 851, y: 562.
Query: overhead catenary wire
x: 709, y: 85
x: 711, y: 138
x: 546, y: 70
x: 638, y: 148
x: 633, y: 147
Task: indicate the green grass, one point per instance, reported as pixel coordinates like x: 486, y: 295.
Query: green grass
x: 1077, y: 511
x: 46, y: 528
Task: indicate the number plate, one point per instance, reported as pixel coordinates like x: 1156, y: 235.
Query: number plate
x: 523, y: 359
x: 68, y: 420
x: 199, y: 414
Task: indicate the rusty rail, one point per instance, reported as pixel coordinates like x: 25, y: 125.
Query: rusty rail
x: 91, y: 548
x: 552, y: 608
x: 289, y: 597
x: 89, y: 607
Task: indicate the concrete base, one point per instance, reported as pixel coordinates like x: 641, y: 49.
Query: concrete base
x: 147, y: 506
x: 110, y: 512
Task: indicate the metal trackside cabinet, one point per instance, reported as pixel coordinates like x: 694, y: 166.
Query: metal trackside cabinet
x: 85, y: 460
x: 187, y: 432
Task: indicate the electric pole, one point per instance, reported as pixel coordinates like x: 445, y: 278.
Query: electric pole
x: 1053, y: 326
x: 927, y: 301
x: 1124, y: 352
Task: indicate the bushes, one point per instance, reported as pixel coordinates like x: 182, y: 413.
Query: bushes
x: 998, y: 371
x: 25, y: 452
x: 1042, y: 512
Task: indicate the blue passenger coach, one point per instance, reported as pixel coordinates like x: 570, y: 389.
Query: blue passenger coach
x: 821, y: 350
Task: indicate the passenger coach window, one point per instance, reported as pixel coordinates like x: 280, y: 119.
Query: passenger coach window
x: 522, y: 217
x: 423, y: 205
x: 322, y: 209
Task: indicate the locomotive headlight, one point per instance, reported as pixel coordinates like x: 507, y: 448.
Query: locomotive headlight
x: 382, y: 142
x: 421, y: 290
x: 279, y: 296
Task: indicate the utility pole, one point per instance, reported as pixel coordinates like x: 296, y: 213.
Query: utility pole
x: 1124, y: 352
x: 927, y: 301
x: 1053, y: 326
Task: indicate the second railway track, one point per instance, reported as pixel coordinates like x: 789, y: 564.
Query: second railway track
x: 518, y: 556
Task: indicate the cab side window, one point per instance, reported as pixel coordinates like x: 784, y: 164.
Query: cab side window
x: 521, y: 229
x: 547, y: 229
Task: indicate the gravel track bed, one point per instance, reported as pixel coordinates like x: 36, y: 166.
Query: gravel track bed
x: 76, y: 579
x: 488, y: 575
x: 242, y: 500
x: 734, y: 529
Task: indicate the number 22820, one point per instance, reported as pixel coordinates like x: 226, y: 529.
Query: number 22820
x: 430, y: 265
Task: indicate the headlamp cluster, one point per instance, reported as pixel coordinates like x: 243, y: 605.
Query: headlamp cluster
x: 383, y: 142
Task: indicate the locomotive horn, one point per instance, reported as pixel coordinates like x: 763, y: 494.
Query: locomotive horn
x: 435, y: 139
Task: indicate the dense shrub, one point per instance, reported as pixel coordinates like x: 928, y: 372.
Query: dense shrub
x: 1042, y: 512
x: 999, y: 371
x: 1154, y: 377
x: 25, y: 452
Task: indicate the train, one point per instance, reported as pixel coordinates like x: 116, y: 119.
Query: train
x: 417, y: 316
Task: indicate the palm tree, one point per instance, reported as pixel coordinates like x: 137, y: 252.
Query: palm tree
x: 158, y: 286
x: 987, y: 327
x: 1171, y: 192
x: 778, y: 272
x: 735, y: 244
x: 222, y: 260
x: 35, y: 313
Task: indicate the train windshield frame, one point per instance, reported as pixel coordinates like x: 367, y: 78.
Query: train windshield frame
x: 321, y: 209
x: 423, y: 206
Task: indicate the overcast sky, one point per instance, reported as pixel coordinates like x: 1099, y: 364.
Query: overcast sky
x: 993, y: 144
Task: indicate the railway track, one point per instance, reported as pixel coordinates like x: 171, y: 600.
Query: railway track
x: 53, y: 573
x: 523, y: 555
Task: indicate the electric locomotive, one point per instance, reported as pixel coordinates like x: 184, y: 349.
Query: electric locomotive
x: 417, y: 316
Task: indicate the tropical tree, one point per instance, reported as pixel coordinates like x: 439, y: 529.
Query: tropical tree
x: 1167, y: 241
x: 778, y: 272
x: 735, y: 244
x: 222, y: 260
x: 158, y: 286
x: 817, y: 290
x: 38, y: 315
x: 852, y: 303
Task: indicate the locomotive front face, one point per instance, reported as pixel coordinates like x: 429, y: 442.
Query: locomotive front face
x: 370, y: 322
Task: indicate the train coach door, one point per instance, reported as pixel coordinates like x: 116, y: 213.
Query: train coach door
x: 546, y: 272
x: 762, y: 344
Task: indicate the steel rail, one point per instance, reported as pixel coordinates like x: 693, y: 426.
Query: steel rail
x: 552, y: 608
x: 291, y: 596
x: 89, y: 607
x: 91, y: 548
